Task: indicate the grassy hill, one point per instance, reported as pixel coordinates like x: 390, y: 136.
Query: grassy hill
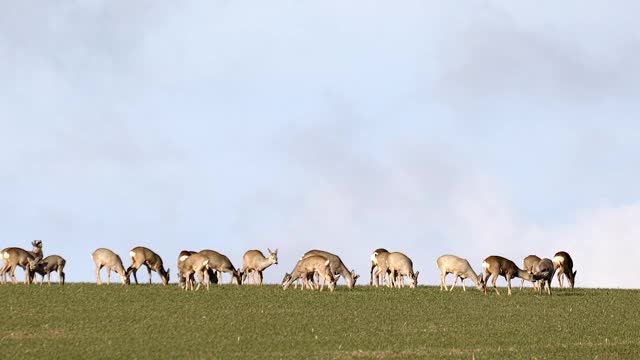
x: 154, y: 321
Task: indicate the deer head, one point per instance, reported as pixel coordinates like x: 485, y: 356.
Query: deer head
x: 285, y: 280
x: 480, y: 282
x: 273, y: 256
x: 413, y: 279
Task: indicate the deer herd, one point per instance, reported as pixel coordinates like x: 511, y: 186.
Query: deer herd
x: 313, y: 268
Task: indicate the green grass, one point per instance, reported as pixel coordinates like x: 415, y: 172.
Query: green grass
x: 142, y: 322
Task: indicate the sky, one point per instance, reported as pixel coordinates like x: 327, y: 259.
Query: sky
x: 470, y: 128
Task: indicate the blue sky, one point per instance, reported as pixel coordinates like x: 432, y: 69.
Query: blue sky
x: 473, y: 128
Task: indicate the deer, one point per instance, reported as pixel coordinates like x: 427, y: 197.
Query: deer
x: 308, y: 266
x: 222, y: 264
x: 460, y: 268
x: 498, y: 265
x: 399, y: 264
x: 141, y: 255
x: 13, y: 257
x: 543, y: 271
x: 254, y: 261
x: 103, y: 257
x: 190, y: 266
x: 563, y: 262
x: 374, y: 264
x: 527, y: 264
x: 46, y: 266
x: 337, y: 266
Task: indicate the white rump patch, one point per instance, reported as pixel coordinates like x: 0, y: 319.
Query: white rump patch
x: 373, y: 258
x: 5, y: 255
x: 485, y: 265
x: 132, y: 253
x: 184, y: 257
x: 557, y: 260
x: 205, y: 263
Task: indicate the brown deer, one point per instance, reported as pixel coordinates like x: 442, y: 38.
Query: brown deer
x: 399, y: 264
x: 460, y: 268
x: 14, y: 257
x: 563, y: 262
x: 543, y: 271
x: 143, y: 256
x: 112, y: 262
x: 306, y: 267
x: 221, y: 263
x: 46, y: 266
x: 337, y: 266
x: 498, y: 266
x: 193, y: 265
x: 374, y: 264
x: 254, y: 261
x: 527, y: 265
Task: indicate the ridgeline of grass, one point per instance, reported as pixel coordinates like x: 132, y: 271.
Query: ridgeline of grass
x: 165, y: 322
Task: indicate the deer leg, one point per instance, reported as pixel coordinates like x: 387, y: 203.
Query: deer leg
x: 493, y: 282
x: 560, y: 275
x: 98, y: 281
x: 509, y: 285
x: 260, y: 278
x: 462, y: 281
x: 455, y: 281
x: 373, y: 266
x: 48, y: 278
x: 11, y: 275
x: 149, y: 271
x: 108, y: 276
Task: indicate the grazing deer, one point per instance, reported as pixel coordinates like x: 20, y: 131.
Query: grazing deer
x: 399, y: 264
x: 497, y: 265
x: 306, y: 267
x: 543, y: 271
x: 527, y: 265
x: 111, y: 261
x: 337, y: 266
x: 254, y: 261
x: 14, y: 257
x: 191, y: 266
x: 460, y: 268
x: 374, y: 264
x: 563, y: 262
x: 143, y: 256
x: 222, y: 264
x: 46, y: 266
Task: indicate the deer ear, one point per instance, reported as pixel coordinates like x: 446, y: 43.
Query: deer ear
x: 269, y: 250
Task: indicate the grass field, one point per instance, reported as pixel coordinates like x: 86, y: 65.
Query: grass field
x: 153, y: 321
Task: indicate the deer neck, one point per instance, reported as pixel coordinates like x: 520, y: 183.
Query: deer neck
x: 523, y: 274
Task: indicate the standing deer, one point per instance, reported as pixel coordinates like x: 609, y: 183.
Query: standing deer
x: 143, y: 256
x: 563, y: 262
x: 254, y: 261
x: 399, y: 264
x: 14, y: 257
x: 46, y: 266
x: 111, y: 261
x: 306, y: 267
x: 193, y: 265
x: 222, y: 264
x: 374, y: 264
x: 527, y: 265
x: 337, y: 266
x: 497, y: 265
x: 543, y: 271
x: 460, y: 268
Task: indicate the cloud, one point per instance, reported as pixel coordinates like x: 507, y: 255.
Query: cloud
x: 429, y: 128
